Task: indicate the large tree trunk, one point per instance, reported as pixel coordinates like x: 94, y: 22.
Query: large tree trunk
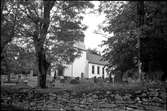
x: 43, y: 68
x: 163, y: 64
x: 39, y: 37
x: 41, y: 60
x: 43, y: 65
x: 140, y: 23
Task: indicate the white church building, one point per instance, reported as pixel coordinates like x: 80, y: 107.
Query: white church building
x: 88, y: 65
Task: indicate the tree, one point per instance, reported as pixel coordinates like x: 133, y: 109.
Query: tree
x: 9, y: 22
x: 140, y: 13
x: 154, y: 42
x: 121, y: 49
x: 17, y: 60
x: 94, y: 51
x: 135, y: 28
x: 9, y: 64
x: 48, y: 22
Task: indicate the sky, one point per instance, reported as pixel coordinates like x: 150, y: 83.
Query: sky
x: 92, y: 21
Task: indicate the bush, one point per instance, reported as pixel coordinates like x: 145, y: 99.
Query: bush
x: 77, y: 78
x: 74, y: 81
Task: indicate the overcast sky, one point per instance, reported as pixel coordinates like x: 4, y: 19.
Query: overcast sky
x: 92, y: 40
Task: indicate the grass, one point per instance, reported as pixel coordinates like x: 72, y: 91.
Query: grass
x: 103, y: 86
x: 89, y: 86
x: 83, y: 86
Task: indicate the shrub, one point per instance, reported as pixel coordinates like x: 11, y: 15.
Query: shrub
x: 74, y: 81
x: 77, y: 78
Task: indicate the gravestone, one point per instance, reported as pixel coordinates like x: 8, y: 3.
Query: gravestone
x: 32, y: 80
x: 19, y: 78
x: 31, y: 73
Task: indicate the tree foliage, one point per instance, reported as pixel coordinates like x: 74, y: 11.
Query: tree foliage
x: 9, y: 22
x: 17, y: 60
x: 50, y: 29
x: 121, y: 49
x: 94, y: 51
x: 122, y: 19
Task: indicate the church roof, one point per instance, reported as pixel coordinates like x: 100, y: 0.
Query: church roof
x: 95, y: 59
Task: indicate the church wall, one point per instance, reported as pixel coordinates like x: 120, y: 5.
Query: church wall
x: 68, y: 70
x: 79, y: 65
x: 91, y: 75
x: 86, y: 69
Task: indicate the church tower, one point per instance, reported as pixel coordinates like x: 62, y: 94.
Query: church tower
x: 80, y: 45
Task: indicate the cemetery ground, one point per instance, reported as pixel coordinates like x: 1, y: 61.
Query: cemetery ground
x: 85, y: 95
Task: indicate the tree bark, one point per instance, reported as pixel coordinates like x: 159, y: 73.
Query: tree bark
x: 120, y: 76
x: 39, y: 37
x: 110, y: 79
x: 41, y: 60
x: 43, y: 67
x: 140, y: 19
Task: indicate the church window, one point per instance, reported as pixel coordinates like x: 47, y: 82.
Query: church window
x: 93, y: 69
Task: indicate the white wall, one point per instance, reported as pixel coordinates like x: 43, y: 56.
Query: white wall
x: 95, y: 70
x: 77, y: 67
x: 68, y: 70
x: 87, y: 69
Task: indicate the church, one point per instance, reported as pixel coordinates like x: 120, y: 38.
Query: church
x: 88, y: 65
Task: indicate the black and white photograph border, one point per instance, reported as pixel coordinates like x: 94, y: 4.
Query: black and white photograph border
x: 83, y: 55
